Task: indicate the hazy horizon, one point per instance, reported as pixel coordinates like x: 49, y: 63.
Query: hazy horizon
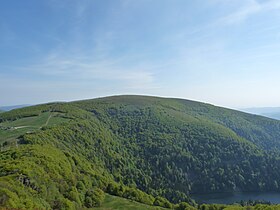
x: 252, y: 110
x: 220, y: 52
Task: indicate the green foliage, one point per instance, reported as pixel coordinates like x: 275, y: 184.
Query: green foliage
x: 238, y: 207
x: 117, y: 203
x: 163, y: 202
x: 94, y: 197
x: 184, y: 206
x: 145, y: 149
x: 171, y: 141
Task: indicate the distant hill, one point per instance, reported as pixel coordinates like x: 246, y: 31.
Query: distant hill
x: 273, y: 115
x: 271, y: 112
x: 156, y: 151
x: 9, y: 108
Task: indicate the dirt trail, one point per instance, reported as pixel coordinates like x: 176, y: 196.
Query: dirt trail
x: 48, y: 120
x: 19, y: 127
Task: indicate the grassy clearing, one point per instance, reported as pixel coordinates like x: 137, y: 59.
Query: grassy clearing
x: 36, y: 122
x: 11, y: 130
x: 117, y: 203
x: 57, y: 119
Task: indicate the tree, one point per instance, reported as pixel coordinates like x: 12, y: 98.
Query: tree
x: 184, y: 206
x: 163, y: 202
x: 94, y: 197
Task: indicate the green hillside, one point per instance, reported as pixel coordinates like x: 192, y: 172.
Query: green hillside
x: 156, y: 151
x: 117, y: 203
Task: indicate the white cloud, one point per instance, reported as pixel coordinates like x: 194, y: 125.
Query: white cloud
x: 248, y: 9
x: 86, y: 68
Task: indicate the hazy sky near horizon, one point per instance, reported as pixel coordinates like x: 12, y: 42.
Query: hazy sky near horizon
x: 224, y: 52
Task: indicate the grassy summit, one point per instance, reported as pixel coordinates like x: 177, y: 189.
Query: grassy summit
x: 148, y: 149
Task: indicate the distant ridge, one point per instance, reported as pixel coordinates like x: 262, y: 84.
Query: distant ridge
x: 271, y: 112
x: 9, y: 108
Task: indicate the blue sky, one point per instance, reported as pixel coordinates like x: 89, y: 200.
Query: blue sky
x: 224, y: 52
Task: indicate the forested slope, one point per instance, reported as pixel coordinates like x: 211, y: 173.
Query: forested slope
x: 137, y: 147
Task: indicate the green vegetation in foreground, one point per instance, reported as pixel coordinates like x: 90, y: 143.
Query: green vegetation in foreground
x: 117, y: 203
x: 150, y: 150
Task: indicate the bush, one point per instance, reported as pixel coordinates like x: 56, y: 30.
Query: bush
x: 184, y: 206
x: 163, y: 202
x: 94, y: 197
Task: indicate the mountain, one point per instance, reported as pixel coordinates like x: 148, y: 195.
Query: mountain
x: 157, y: 151
x: 9, y: 108
x: 271, y: 112
x: 275, y: 115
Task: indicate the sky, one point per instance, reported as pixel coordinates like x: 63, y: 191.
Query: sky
x: 223, y: 52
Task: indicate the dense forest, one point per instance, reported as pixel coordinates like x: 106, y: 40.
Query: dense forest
x: 155, y: 151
